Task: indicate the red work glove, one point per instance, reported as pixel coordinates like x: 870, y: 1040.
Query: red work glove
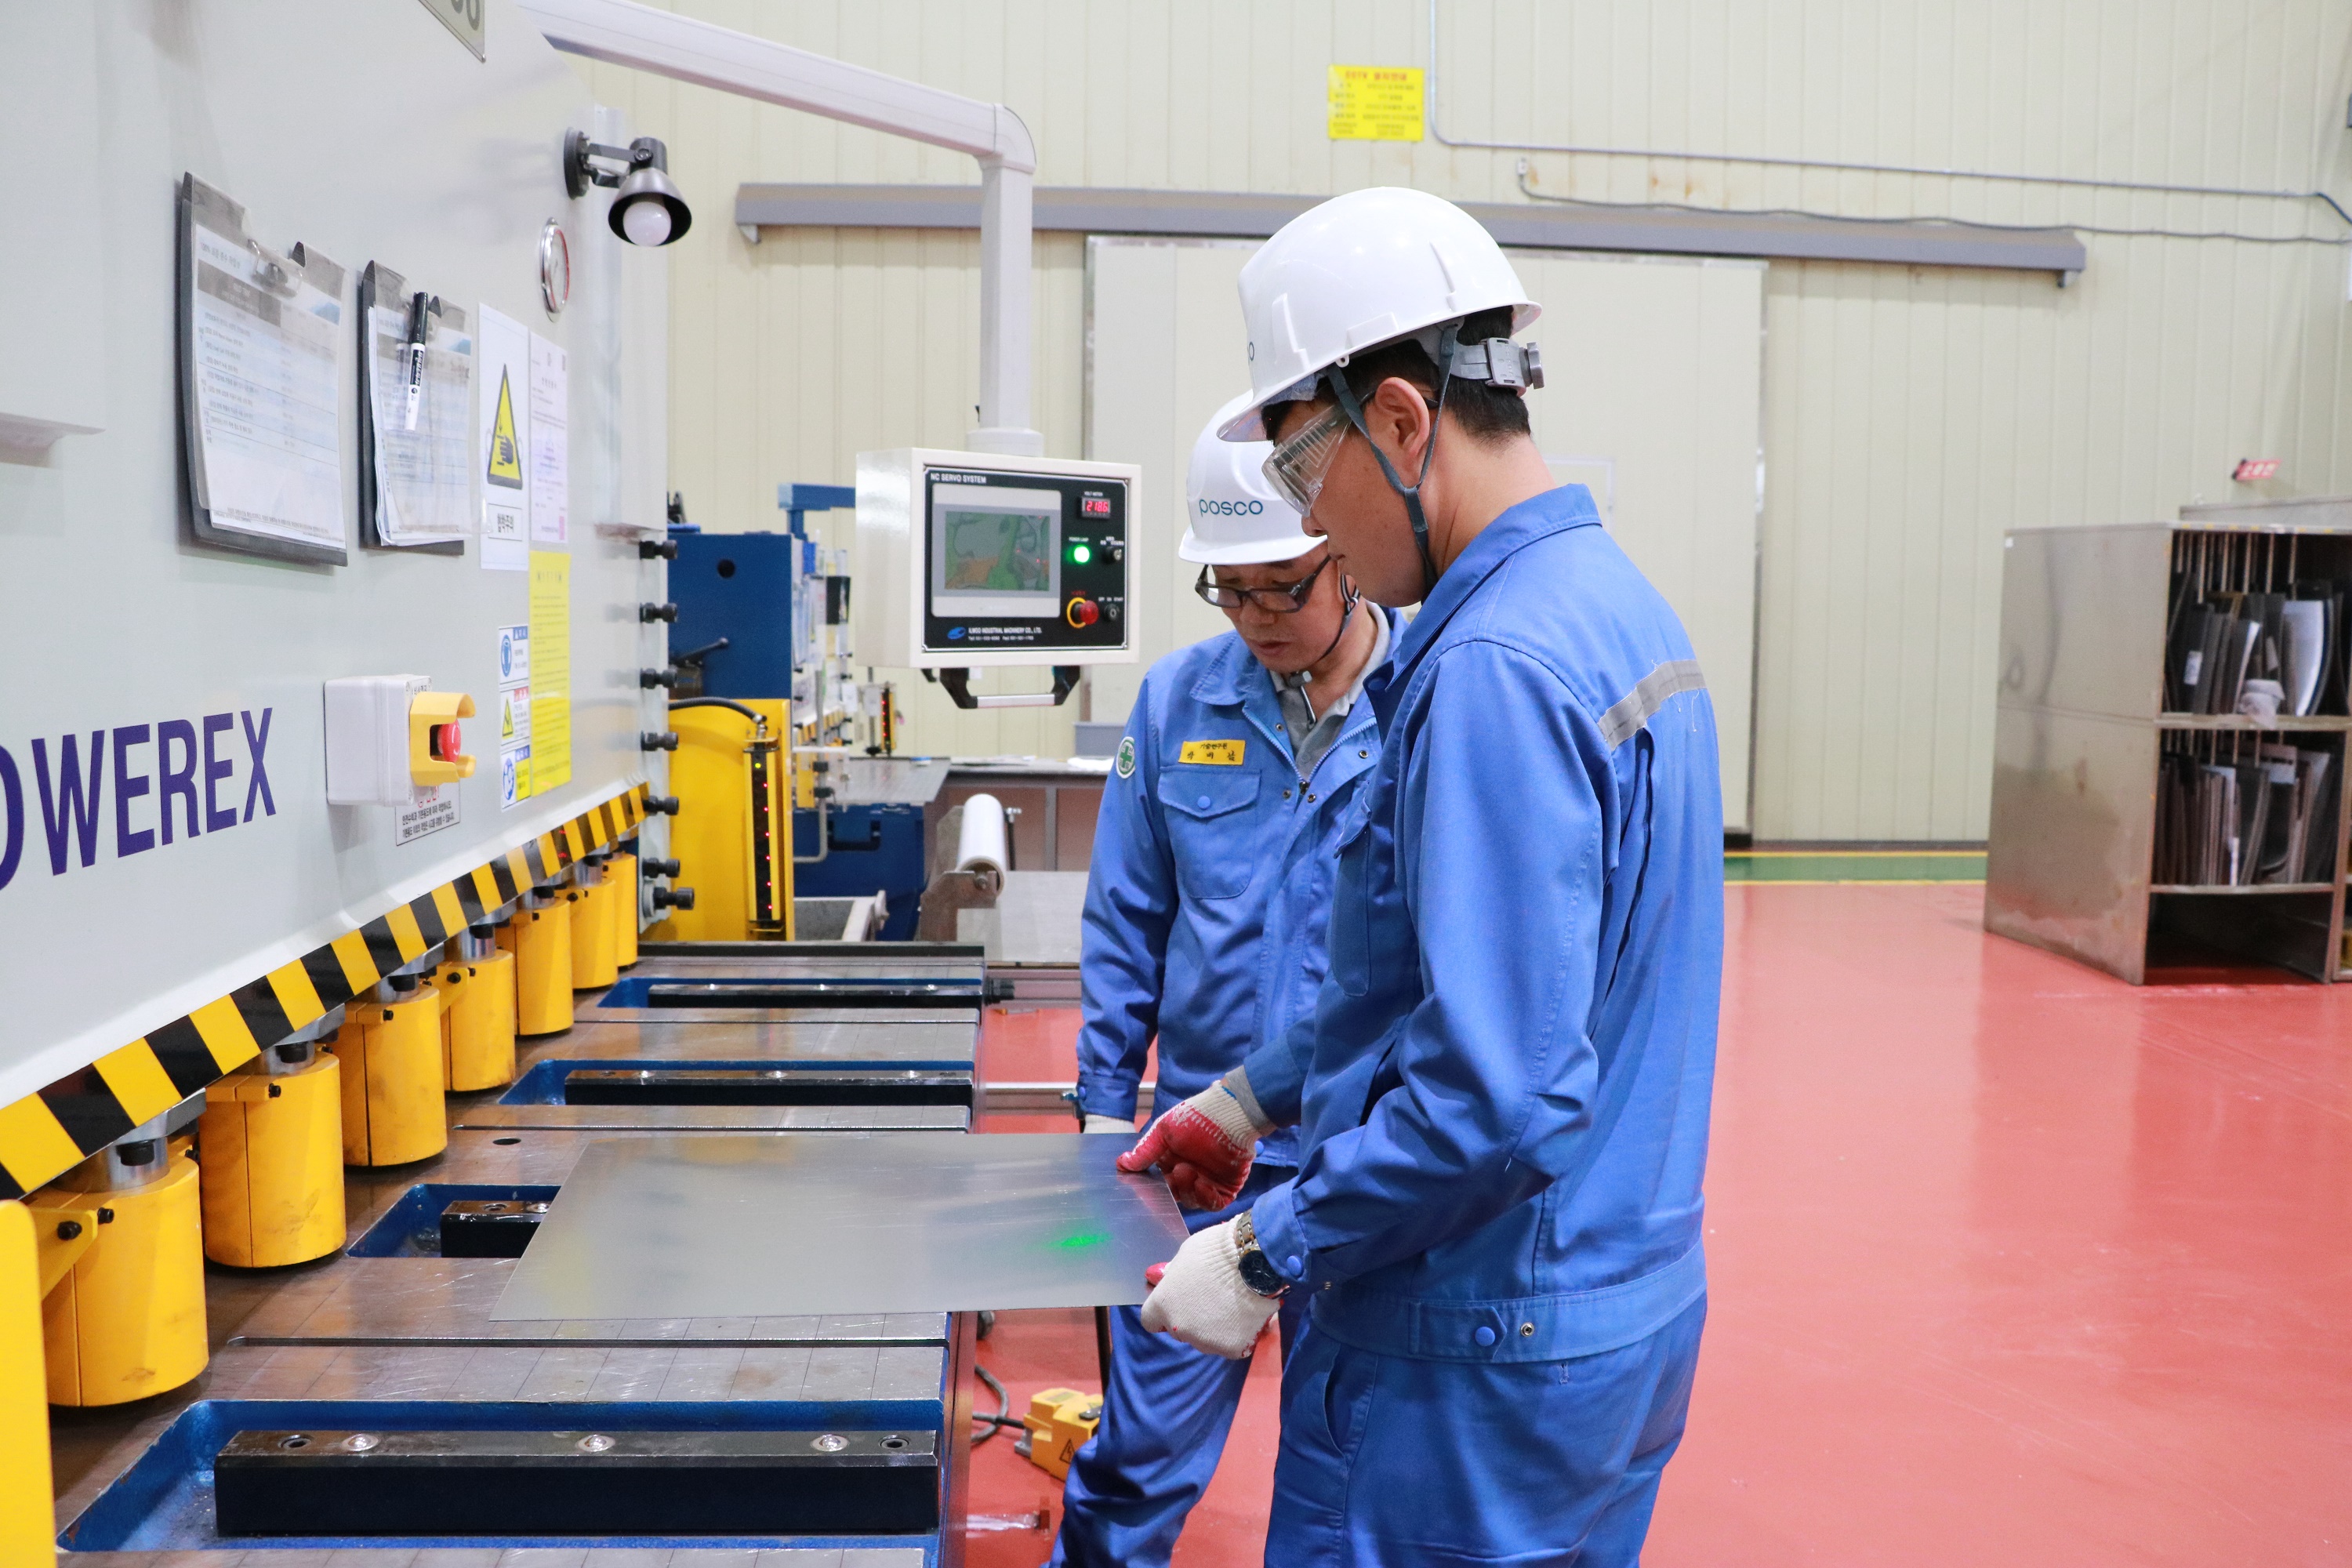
x: 1203, y: 1147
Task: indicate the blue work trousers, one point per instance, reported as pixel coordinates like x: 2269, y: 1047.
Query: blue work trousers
x: 1392, y: 1461
x: 1165, y: 1417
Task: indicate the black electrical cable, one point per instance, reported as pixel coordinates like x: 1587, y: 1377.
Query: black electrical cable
x: 753, y: 714
x: 1003, y: 1416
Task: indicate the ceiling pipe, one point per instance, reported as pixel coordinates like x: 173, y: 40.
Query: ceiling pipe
x: 622, y: 32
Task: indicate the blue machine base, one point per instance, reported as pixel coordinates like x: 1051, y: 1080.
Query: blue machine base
x: 543, y: 1084
x: 871, y: 848
x: 412, y: 1228
x: 165, y: 1501
x: 631, y: 990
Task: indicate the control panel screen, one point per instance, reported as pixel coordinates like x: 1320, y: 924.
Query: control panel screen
x: 995, y: 551
x: 1024, y: 561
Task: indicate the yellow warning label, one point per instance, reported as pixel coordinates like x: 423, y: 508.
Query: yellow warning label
x: 1216, y: 753
x: 506, y: 453
x: 1375, y: 103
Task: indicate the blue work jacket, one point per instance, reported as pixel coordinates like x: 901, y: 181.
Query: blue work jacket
x: 1504, y: 1086
x: 1211, y: 888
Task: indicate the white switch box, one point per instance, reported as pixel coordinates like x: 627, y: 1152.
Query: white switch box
x: 367, y: 739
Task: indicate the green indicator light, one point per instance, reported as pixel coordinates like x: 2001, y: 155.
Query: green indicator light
x: 1082, y: 553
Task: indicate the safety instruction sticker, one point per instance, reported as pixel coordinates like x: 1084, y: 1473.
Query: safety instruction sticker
x: 1375, y: 103
x: 1216, y: 753
x: 551, y: 670
x: 502, y: 425
x: 514, y: 715
x: 430, y: 809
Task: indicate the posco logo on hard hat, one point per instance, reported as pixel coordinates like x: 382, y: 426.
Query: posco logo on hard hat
x: 1229, y: 508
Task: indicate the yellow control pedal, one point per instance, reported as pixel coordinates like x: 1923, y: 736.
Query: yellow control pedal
x: 1059, y: 1423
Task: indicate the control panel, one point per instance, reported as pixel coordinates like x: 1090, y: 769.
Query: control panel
x: 971, y: 559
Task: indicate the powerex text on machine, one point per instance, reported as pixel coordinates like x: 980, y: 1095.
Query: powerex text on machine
x: 980, y: 560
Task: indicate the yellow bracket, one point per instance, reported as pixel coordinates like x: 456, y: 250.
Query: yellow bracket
x: 64, y: 1227
x: 427, y: 710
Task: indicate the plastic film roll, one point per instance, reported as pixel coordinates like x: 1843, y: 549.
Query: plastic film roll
x: 981, y: 840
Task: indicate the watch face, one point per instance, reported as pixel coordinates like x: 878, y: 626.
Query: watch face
x: 1258, y: 1274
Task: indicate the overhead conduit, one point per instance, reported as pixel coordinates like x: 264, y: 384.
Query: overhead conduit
x: 622, y: 32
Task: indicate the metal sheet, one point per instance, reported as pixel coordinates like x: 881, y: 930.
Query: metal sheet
x: 878, y: 960
x: 590, y: 1012
x: 894, y: 1043
x: 683, y: 1226
x: 841, y: 1119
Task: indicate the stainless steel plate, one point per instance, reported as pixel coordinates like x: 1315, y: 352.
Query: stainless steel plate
x: 787, y: 1224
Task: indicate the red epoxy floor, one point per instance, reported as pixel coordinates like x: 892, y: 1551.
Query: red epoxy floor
x: 2010, y: 1262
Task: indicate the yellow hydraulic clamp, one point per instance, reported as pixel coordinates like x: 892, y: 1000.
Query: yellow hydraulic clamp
x: 271, y: 1142
x: 121, y: 1236
x: 595, y: 962
x: 27, y: 1524
x: 477, y: 1013
x: 621, y: 872
x: 539, y: 936
x: 1059, y: 1422
x: 389, y: 1046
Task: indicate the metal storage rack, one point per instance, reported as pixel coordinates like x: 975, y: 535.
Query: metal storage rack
x: 2080, y: 728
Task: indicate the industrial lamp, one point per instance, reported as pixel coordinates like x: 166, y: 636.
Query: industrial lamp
x: 648, y: 210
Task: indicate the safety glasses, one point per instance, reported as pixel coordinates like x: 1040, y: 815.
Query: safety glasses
x: 1296, y: 468
x: 1282, y: 599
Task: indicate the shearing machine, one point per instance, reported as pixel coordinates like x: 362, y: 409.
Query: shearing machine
x: 349, y: 882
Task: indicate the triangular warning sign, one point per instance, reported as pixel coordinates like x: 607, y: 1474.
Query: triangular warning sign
x: 506, y: 716
x: 506, y: 453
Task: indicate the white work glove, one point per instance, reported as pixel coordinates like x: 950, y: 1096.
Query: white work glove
x: 1205, y: 1145
x: 1108, y: 1123
x: 1200, y: 1297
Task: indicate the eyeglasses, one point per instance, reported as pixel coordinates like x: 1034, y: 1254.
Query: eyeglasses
x: 1298, y: 465
x: 1282, y: 599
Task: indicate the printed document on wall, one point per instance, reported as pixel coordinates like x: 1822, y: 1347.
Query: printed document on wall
x: 550, y: 459
x: 264, y: 346
x: 503, y: 416
x: 420, y: 370
x: 551, y: 670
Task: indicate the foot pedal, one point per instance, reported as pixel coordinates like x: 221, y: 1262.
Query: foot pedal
x: 490, y: 1227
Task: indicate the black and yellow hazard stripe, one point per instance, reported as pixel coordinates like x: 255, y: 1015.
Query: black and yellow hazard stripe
x: 44, y: 1135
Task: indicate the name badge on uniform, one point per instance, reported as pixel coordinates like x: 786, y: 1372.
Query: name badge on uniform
x: 1216, y: 753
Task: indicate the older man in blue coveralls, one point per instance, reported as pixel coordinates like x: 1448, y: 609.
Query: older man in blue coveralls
x: 1205, y: 914
x: 1503, y: 1091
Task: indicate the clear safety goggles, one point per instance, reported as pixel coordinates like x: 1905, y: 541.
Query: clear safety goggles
x: 1282, y: 599
x: 1298, y: 465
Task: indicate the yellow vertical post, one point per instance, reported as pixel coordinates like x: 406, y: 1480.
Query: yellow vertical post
x: 28, y: 1516
x: 623, y: 874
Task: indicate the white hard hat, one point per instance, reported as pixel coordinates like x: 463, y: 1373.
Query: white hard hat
x: 1233, y: 515
x: 1356, y: 272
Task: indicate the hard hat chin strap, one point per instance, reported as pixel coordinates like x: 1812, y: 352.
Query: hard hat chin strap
x: 1337, y: 379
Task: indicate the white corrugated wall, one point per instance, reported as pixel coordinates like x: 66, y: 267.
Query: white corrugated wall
x: 1910, y: 414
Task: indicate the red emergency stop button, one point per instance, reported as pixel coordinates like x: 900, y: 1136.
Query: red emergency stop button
x: 1082, y: 612
x: 446, y: 745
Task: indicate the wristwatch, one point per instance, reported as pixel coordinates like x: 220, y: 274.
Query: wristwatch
x: 1256, y: 1269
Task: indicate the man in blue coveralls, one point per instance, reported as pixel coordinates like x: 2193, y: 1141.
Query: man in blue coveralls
x: 1503, y: 1091
x: 1204, y: 920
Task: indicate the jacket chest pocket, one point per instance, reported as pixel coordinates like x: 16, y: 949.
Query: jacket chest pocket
x: 1350, y: 939
x: 1213, y: 826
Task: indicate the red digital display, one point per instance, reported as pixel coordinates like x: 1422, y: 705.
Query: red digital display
x: 1095, y: 506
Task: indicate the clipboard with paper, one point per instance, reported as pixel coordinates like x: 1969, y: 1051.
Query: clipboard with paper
x: 417, y: 472
x: 261, y: 354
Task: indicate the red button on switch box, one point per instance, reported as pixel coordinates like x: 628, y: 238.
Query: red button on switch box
x: 1082, y: 611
